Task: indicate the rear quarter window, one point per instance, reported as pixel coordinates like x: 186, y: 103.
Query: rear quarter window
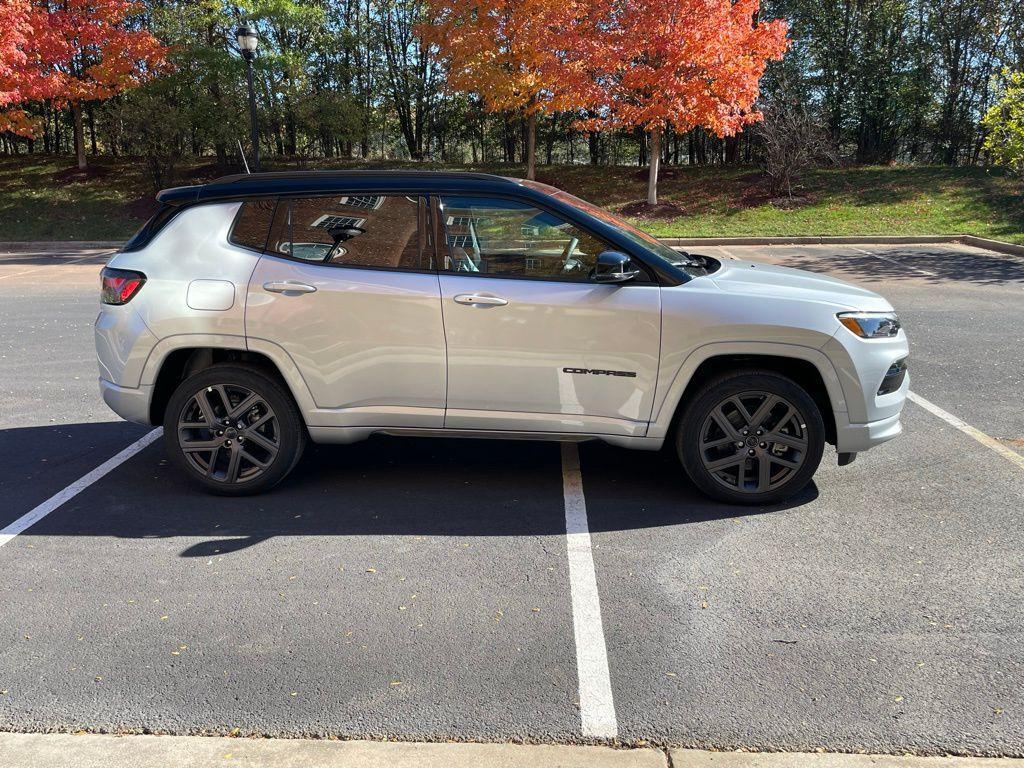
x: 252, y: 224
x: 149, y: 230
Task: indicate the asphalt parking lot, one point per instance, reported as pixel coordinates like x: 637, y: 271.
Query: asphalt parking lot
x: 419, y: 589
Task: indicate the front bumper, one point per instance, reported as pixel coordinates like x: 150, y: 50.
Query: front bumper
x: 854, y: 438
x: 131, y: 403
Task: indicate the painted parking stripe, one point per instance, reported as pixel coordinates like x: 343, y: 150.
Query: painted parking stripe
x: 41, y: 511
x: 989, y: 442
x: 597, y: 709
x: 60, y: 264
x: 897, y: 262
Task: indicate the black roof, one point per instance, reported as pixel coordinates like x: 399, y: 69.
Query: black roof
x: 301, y: 182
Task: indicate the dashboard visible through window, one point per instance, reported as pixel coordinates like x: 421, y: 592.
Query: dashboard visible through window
x: 501, y: 237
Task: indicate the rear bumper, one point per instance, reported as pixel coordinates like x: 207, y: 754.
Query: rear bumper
x: 131, y: 403
x: 854, y: 438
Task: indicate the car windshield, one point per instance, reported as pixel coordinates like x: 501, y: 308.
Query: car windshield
x: 690, y: 265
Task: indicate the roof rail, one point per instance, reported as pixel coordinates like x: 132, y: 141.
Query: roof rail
x: 238, y: 177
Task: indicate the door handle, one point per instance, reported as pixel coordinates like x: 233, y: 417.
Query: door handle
x: 286, y: 286
x: 480, y: 300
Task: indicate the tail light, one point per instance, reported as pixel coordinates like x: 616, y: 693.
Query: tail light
x: 118, y: 286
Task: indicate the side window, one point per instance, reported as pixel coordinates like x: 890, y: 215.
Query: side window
x: 505, y: 237
x: 253, y: 223
x: 382, y: 231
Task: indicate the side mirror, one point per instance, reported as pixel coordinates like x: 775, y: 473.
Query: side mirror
x: 613, y: 267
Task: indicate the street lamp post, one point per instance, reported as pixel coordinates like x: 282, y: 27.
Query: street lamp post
x: 247, y: 42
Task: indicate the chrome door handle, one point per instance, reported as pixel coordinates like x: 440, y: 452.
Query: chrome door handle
x: 286, y: 286
x: 476, y: 298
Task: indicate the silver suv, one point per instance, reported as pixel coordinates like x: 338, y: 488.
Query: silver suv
x: 254, y: 313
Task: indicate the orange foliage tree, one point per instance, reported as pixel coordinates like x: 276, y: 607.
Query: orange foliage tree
x: 510, y: 52
x: 70, y: 52
x: 23, y: 74
x: 684, y: 63
x: 100, y: 54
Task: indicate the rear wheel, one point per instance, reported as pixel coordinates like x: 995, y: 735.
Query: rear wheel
x: 233, y: 430
x: 752, y: 437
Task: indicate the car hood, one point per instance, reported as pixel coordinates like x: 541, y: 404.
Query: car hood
x: 758, y: 279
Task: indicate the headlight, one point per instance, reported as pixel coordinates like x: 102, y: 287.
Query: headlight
x: 871, y: 325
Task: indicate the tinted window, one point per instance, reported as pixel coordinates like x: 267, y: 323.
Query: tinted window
x: 149, y: 230
x: 505, y: 237
x: 253, y: 223
x: 382, y: 231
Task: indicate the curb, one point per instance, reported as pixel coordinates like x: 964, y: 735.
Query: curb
x: 993, y: 245
x: 978, y: 242
x: 815, y: 240
x: 34, y: 750
x: 691, y: 758
x: 48, y: 246
x: 88, y: 750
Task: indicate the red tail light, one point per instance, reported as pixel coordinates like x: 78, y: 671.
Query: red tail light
x: 118, y: 286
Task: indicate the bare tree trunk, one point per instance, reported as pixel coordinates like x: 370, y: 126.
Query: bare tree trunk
x: 76, y: 114
x: 652, y: 177
x: 92, y: 130
x: 531, y: 145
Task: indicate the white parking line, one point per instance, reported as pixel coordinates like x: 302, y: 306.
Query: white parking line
x: 896, y: 262
x: 989, y: 442
x: 37, y: 514
x: 597, y: 709
x: 50, y: 266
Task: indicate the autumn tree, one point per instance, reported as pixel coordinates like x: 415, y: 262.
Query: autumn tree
x: 97, y: 52
x: 679, y: 63
x: 23, y: 76
x: 508, y: 52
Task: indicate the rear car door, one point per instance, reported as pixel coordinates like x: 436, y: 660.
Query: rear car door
x: 347, y: 288
x: 534, y: 344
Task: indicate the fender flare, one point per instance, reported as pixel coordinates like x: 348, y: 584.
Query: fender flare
x: 278, y: 356
x: 670, y: 402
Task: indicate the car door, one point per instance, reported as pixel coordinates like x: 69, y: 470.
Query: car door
x: 534, y: 343
x: 347, y: 288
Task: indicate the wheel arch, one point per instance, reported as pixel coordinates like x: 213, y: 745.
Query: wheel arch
x: 179, y: 363
x: 808, y: 367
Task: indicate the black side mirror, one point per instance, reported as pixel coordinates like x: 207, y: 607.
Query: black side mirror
x: 613, y: 267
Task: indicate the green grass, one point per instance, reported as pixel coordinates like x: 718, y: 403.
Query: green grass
x: 41, y: 199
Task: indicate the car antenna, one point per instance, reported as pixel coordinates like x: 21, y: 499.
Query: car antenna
x: 240, y: 152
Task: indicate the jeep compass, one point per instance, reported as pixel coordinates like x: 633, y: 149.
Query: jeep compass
x: 257, y: 312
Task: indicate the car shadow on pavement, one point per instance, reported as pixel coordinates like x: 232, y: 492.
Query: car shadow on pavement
x: 386, y: 486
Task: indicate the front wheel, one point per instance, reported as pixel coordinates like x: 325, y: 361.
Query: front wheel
x: 233, y: 430
x: 753, y: 437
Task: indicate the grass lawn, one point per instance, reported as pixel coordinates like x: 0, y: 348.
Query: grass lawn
x: 43, y: 198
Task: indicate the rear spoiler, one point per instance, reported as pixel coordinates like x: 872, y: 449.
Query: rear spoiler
x: 179, y: 195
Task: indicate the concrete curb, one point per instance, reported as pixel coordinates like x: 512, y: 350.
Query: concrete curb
x: 64, y: 750
x: 993, y: 245
x: 978, y: 242
x: 30, y: 750
x: 57, y: 246
x: 689, y: 758
x: 814, y: 240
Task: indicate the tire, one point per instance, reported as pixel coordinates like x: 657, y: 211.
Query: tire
x: 249, y: 453
x: 771, y: 465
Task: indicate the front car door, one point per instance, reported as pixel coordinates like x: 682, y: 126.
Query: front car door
x: 347, y: 288
x: 533, y: 343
